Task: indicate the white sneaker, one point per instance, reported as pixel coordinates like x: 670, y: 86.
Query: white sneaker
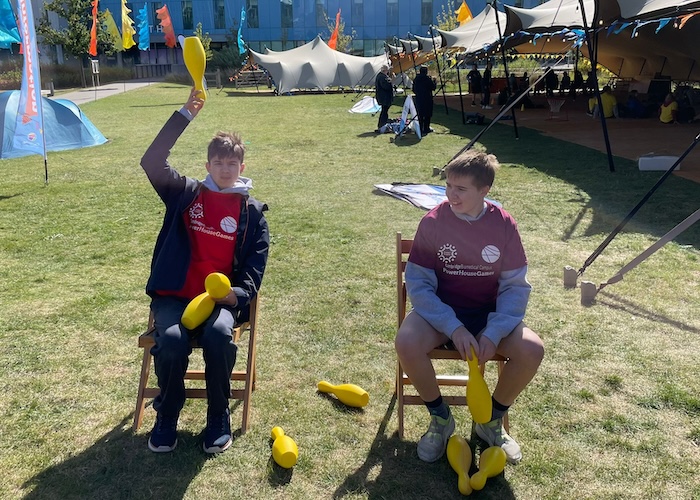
x: 487, y: 107
x: 433, y: 443
x: 495, y: 435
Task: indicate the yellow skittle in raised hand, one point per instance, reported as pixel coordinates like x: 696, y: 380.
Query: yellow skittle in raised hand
x: 196, y: 62
x: 284, y: 450
x: 217, y: 286
x: 349, y: 394
x: 459, y: 455
x: 491, y: 463
x: 478, y: 395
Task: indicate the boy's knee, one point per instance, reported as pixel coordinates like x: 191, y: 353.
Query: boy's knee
x: 171, y: 344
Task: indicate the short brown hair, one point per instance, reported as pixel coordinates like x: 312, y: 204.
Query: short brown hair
x: 226, y: 145
x: 481, y: 167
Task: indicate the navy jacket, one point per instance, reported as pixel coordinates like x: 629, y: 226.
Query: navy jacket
x: 171, y: 255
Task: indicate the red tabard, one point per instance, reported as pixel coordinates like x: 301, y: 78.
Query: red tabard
x: 212, y: 224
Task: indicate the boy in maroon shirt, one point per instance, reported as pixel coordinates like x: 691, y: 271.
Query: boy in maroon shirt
x: 466, y: 278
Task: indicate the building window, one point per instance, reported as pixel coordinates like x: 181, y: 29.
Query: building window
x: 252, y: 17
x: 219, y: 15
x: 321, y: 16
x: 187, y: 15
x: 287, y: 11
x: 426, y: 12
x: 392, y: 12
x: 358, y: 13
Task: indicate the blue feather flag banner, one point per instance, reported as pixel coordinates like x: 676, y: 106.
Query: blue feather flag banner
x: 241, y: 43
x: 29, y: 128
x: 8, y: 26
x: 143, y: 29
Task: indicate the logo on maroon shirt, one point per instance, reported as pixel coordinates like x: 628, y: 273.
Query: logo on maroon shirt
x: 447, y: 253
x: 490, y: 253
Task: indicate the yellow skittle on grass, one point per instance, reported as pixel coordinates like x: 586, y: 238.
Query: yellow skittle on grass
x: 217, y: 286
x: 459, y: 455
x: 284, y: 450
x: 491, y: 463
x: 478, y: 394
x: 196, y: 62
x: 349, y: 394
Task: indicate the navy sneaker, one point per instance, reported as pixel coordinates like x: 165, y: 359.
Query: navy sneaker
x: 164, y: 435
x: 217, y: 436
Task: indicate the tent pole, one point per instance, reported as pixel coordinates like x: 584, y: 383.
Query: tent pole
x: 629, y: 216
x: 592, y: 52
x: 461, y: 100
x: 505, y: 66
x: 400, y: 68
x: 690, y: 71
x: 663, y: 65
x: 437, y: 61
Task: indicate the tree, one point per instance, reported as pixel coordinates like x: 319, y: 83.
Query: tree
x: 205, y: 39
x: 447, y: 19
x: 75, y: 37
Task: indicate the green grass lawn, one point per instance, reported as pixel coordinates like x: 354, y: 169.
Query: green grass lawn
x: 611, y: 414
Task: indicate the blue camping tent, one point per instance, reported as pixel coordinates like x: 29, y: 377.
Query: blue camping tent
x: 65, y: 126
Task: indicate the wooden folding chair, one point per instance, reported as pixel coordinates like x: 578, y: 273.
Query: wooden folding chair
x: 403, y: 248
x: 247, y: 376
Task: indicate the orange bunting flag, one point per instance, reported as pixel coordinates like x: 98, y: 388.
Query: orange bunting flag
x: 167, y: 26
x: 333, y: 42
x: 93, y: 30
x: 463, y: 13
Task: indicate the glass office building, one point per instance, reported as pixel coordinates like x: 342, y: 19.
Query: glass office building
x: 285, y: 24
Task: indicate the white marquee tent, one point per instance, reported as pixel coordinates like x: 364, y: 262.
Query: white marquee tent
x: 316, y: 66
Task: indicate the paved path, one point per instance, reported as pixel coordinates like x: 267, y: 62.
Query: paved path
x: 90, y: 94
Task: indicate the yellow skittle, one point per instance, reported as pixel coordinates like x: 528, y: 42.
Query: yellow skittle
x: 196, y: 62
x: 284, y: 450
x: 217, y: 285
x: 200, y: 308
x: 349, y: 394
x: 491, y: 463
x: 478, y: 394
x: 459, y: 455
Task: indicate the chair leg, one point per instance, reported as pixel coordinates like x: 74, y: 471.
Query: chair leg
x: 143, y: 382
x: 249, y: 382
x: 399, y: 397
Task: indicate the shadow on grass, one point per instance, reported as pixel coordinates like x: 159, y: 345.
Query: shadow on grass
x: 393, y: 470
x: 606, y: 196
x: 113, y: 467
x: 621, y: 304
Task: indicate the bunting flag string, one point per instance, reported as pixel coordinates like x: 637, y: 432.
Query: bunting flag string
x: 167, y: 25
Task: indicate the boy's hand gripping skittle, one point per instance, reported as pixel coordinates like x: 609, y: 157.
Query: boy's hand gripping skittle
x: 478, y: 395
x: 217, y: 286
x: 196, y: 62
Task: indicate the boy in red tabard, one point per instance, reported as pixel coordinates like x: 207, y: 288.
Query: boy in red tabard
x: 466, y: 278
x: 209, y: 226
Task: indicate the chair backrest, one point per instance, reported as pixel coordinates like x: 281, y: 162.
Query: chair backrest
x: 403, y: 248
